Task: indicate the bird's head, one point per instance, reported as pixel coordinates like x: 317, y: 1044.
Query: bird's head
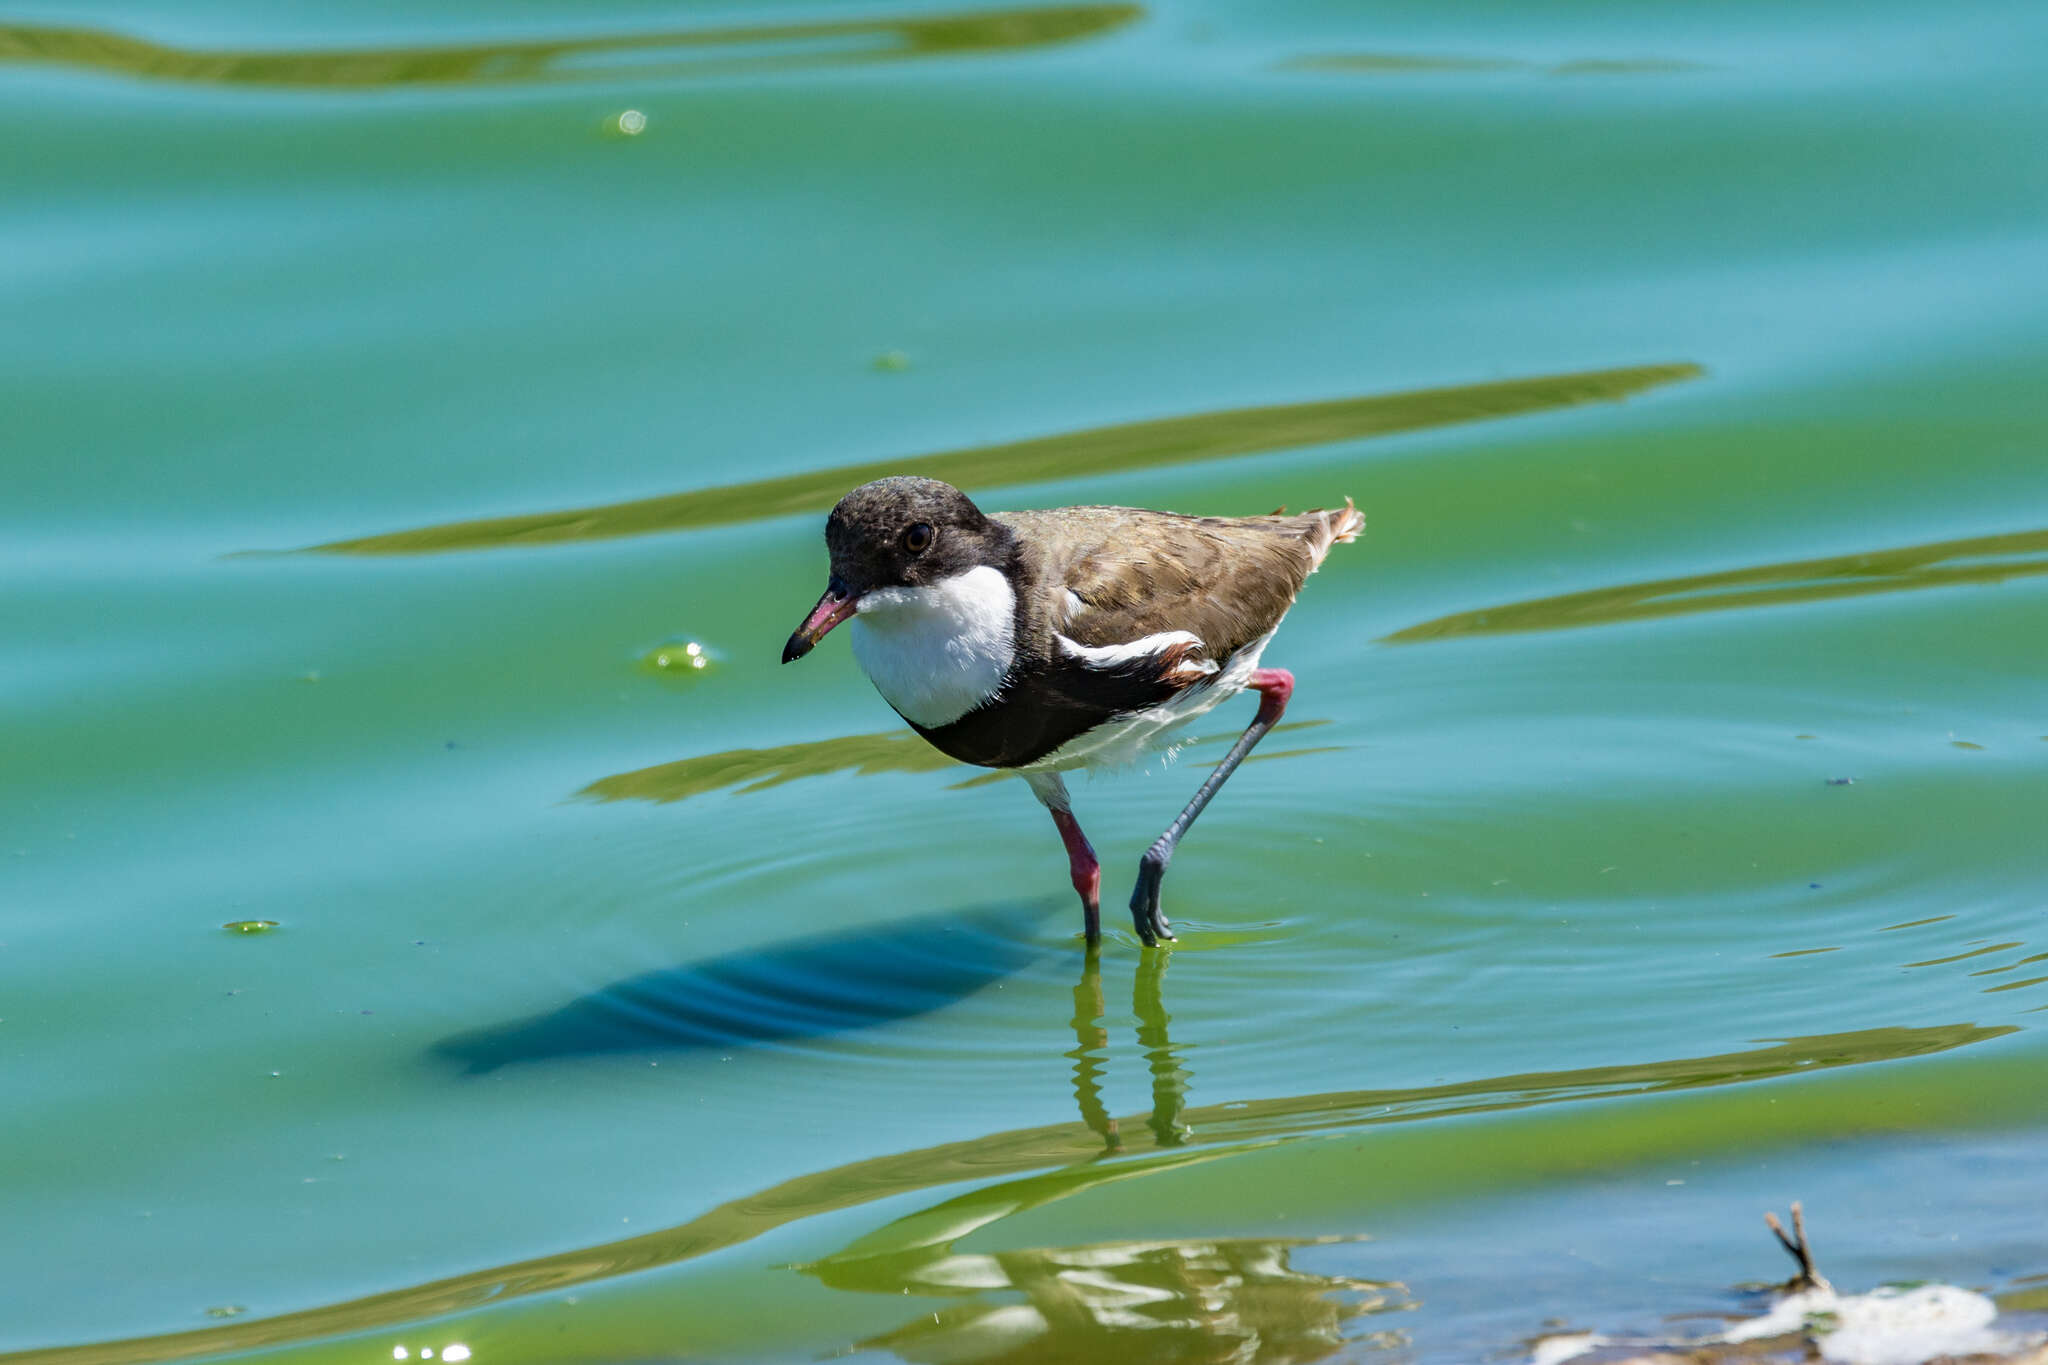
x: 901, y: 533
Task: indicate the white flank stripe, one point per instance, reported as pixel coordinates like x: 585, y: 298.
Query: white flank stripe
x: 935, y: 653
x: 1115, y: 656
x: 1128, y: 739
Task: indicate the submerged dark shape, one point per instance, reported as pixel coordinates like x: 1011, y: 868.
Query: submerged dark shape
x: 803, y: 988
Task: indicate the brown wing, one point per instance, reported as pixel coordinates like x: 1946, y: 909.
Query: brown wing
x: 1133, y: 573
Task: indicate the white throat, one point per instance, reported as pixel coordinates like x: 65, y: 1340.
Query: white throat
x: 935, y: 653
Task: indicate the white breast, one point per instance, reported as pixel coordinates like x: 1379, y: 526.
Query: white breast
x: 935, y: 653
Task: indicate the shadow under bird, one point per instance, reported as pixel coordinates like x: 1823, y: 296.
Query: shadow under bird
x: 1079, y: 637
x: 811, y: 987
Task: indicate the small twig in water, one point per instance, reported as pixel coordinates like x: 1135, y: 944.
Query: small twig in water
x: 1797, y: 1248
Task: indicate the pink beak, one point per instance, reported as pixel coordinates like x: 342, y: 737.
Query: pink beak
x: 835, y: 606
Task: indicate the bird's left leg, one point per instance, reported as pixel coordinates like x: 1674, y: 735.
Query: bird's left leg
x: 1274, y: 686
x: 1086, y: 871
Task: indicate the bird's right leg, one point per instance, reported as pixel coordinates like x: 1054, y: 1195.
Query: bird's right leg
x: 1081, y: 862
x: 1274, y: 686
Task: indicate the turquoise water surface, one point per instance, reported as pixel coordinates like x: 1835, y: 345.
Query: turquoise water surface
x: 394, y: 393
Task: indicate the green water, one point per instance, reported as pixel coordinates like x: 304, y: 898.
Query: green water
x: 383, y: 420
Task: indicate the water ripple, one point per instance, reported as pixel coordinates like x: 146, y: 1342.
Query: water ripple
x: 1408, y: 64
x: 1940, y: 564
x: 1061, y: 1158
x: 888, y: 751
x: 665, y: 53
x: 1074, y: 454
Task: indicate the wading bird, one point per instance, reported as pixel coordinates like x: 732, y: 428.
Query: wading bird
x: 1074, y: 638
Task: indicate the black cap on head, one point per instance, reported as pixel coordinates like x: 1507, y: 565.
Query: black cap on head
x: 907, y: 531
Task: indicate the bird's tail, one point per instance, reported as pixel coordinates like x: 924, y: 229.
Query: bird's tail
x: 1334, y: 526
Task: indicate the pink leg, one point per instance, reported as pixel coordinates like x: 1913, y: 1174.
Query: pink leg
x: 1275, y: 687
x: 1087, y: 872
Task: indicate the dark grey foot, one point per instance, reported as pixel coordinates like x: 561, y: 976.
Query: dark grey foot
x: 1146, y: 916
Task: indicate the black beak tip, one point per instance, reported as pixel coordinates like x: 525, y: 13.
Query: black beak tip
x: 797, y: 647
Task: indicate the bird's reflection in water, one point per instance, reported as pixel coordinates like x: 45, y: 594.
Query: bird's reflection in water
x: 1181, y: 1300
x: 1090, y: 1054
x: 1132, y: 1303
x: 1169, y: 1077
x: 805, y: 988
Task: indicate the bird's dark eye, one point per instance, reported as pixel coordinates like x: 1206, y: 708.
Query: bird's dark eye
x: 918, y: 538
